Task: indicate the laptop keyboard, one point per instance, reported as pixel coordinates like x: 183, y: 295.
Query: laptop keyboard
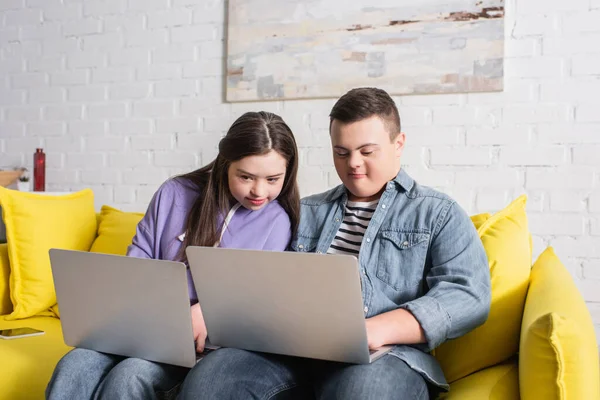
x: 207, y: 351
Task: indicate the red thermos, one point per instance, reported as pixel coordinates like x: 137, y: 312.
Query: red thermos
x: 39, y: 171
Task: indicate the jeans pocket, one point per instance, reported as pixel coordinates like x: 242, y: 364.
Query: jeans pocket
x: 401, y: 259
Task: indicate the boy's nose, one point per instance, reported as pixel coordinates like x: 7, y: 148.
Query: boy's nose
x: 354, y: 160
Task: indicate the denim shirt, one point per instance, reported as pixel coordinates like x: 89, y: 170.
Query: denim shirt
x: 420, y: 252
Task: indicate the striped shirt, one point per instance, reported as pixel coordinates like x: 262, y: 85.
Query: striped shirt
x: 350, y: 235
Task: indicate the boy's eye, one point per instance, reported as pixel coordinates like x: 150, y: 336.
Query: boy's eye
x: 245, y: 177
x: 366, y: 153
x: 272, y: 180
x: 341, y: 154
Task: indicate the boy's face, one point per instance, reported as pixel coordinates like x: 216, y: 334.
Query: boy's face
x: 364, y: 156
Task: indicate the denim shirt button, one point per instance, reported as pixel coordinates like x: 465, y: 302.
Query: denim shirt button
x: 337, y: 220
x: 366, y: 310
x: 405, y: 244
x: 383, y: 206
x: 300, y: 246
x: 368, y: 240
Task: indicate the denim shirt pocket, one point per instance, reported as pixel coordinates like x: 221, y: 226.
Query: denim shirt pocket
x: 304, y: 244
x: 401, y: 259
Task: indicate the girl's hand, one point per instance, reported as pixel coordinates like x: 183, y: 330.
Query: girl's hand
x: 198, y: 327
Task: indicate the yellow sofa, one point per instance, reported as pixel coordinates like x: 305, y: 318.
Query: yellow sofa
x: 555, y: 359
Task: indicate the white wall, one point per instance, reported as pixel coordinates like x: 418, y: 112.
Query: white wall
x: 124, y: 93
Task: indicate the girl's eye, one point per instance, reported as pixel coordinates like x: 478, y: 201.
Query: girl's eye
x: 272, y: 180
x: 366, y: 153
x: 245, y: 178
x: 341, y: 154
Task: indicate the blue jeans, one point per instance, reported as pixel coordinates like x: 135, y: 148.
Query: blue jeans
x: 238, y: 374
x: 88, y: 374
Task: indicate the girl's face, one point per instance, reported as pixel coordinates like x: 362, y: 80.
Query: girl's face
x: 254, y: 181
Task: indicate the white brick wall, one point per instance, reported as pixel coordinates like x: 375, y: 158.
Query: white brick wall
x: 124, y: 93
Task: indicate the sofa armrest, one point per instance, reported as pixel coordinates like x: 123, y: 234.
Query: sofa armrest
x: 558, y: 355
x: 5, y: 303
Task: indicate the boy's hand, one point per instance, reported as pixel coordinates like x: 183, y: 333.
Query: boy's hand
x: 374, y: 333
x: 198, y: 327
x: 394, y: 327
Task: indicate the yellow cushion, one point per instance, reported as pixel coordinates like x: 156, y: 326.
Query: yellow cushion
x: 500, y: 382
x: 115, y: 231
x: 479, y: 219
x: 35, y: 223
x: 558, y: 354
x: 506, y: 240
x: 28, y: 363
x: 5, y: 304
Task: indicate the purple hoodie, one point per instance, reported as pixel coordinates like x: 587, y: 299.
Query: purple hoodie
x: 157, y: 234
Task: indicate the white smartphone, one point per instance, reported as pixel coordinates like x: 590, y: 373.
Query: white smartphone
x: 17, y: 333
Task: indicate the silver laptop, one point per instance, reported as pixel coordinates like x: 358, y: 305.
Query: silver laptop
x: 296, y: 304
x: 123, y: 305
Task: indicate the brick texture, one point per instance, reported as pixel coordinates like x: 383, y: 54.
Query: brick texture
x: 124, y: 93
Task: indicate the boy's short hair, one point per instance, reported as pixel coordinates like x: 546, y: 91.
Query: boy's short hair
x: 363, y: 103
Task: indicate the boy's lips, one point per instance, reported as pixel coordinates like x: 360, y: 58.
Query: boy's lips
x: 357, y: 176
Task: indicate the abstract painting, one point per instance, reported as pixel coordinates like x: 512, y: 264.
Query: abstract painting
x: 294, y: 49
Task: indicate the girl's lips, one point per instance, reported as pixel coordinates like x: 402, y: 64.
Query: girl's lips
x: 257, y: 202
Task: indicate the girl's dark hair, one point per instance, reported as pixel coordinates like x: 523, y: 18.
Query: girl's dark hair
x: 254, y: 133
x: 363, y: 103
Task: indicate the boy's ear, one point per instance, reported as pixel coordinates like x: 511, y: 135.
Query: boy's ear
x: 399, y: 143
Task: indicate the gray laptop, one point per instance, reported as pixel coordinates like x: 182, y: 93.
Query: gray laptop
x: 297, y: 304
x: 123, y: 305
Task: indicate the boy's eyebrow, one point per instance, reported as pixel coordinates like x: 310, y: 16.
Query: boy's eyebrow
x: 358, y: 148
x: 254, y: 176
